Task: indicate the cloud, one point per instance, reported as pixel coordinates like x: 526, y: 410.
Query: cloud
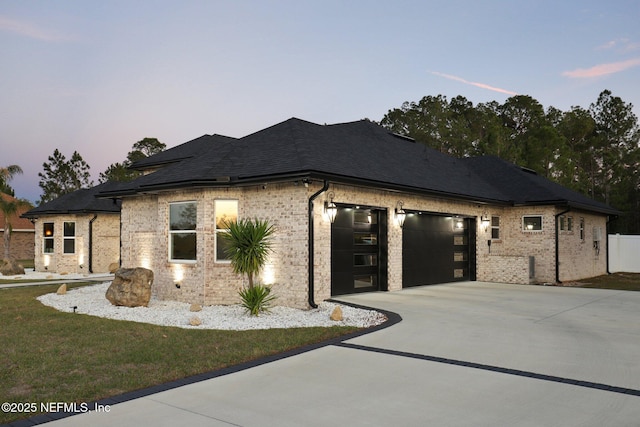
x: 602, y: 69
x: 27, y: 29
x: 620, y: 45
x: 480, y: 85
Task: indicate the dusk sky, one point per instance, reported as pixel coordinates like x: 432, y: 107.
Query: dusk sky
x: 97, y: 76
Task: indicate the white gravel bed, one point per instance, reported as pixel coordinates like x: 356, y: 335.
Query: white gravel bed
x: 91, y: 300
x: 35, y: 275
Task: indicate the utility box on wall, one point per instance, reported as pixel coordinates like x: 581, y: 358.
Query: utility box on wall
x: 532, y: 267
x: 597, y: 237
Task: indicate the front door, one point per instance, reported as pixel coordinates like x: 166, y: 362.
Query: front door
x: 358, y: 251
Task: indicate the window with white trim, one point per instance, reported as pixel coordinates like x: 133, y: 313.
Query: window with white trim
x: 495, y: 227
x: 69, y: 237
x: 532, y: 223
x: 182, y: 231
x: 47, y: 237
x: 582, y: 229
x: 226, y: 212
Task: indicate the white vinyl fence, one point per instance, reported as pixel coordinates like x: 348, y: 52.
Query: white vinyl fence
x: 624, y: 253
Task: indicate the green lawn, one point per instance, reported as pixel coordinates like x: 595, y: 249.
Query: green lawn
x: 50, y: 356
x: 622, y: 281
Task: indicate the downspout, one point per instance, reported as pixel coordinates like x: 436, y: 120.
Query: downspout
x: 91, y: 243
x: 558, y: 244
x: 324, y: 188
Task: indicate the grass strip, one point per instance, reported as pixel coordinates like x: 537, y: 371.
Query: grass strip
x: 616, y: 281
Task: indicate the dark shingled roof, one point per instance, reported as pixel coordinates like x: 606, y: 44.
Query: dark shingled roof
x: 180, y: 152
x: 359, y: 152
x: 522, y: 186
x: 78, y: 202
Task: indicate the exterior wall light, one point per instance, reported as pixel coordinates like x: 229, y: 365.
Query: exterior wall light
x: 485, y: 221
x: 330, y: 208
x: 400, y: 214
x: 458, y: 223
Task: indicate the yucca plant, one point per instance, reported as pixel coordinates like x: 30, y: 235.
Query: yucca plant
x: 248, y: 245
x: 256, y: 299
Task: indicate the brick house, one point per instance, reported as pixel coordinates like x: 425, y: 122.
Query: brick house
x: 77, y: 232
x: 22, y: 231
x: 356, y: 209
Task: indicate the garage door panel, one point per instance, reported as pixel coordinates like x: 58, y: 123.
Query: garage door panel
x: 433, y: 252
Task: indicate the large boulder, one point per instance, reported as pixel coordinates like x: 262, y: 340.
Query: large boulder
x: 9, y: 267
x: 131, y: 287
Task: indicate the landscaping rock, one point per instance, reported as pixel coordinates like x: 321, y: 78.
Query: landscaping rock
x: 131, y: 287
x: 195, y: 307
x: 9, y: 267
x: 336, y: 314
x: 195, y: 321
x: 62, y: 290
x: 113, y: 267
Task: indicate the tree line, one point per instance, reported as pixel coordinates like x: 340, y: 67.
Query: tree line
x: 594, y: 151
x: 61, y: 176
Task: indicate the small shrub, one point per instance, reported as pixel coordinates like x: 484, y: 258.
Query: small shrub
x: 256, y: 299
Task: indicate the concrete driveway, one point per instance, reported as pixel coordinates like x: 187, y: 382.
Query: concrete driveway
x: 465, y: 354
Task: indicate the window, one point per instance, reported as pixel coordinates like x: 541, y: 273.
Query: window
x: 566, y: 223
x: 495, y: 227
x: 582, y: 229
x: 69, y: 237
x: 182, y: 231
x: 47, y: 233
x: 226, y: 212
x: 532, y: 223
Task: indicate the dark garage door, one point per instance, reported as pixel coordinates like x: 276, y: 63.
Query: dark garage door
x: 437, y: 249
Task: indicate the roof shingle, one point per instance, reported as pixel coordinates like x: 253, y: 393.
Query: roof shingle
x: 79, y: 201
x: 360, y: 151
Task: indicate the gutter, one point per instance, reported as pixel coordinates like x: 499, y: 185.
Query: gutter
x: 296, y: 176
x: 324, y: 188
x: 95, y: 216
x: 558, y: 244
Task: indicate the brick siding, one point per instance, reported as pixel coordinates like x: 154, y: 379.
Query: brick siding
x: 106, y: 244
x: 145, y: 240
x: 21, y: 246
